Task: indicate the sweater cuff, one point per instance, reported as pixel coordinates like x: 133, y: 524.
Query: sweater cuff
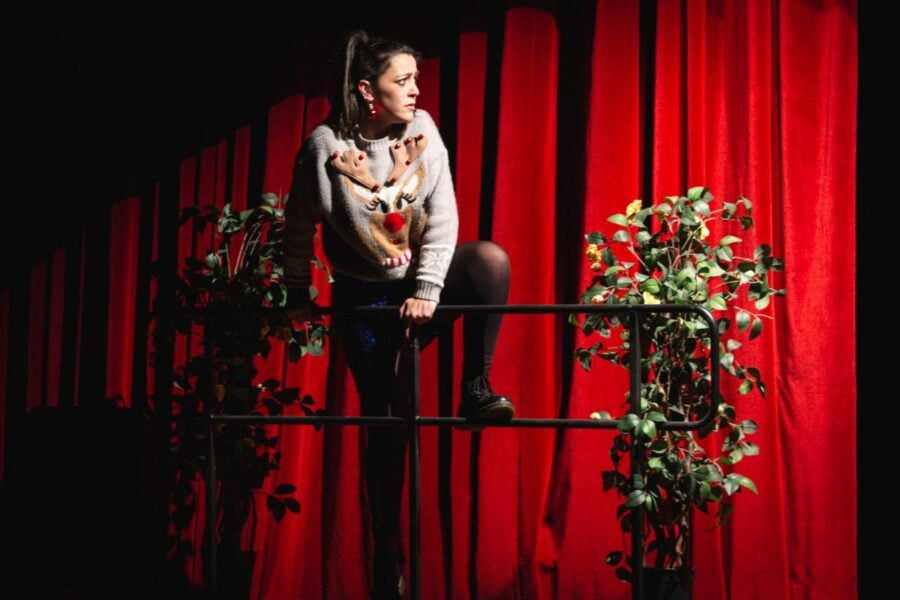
x: 425, y: 290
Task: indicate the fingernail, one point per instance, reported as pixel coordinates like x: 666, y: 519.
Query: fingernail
x: 420, y: 136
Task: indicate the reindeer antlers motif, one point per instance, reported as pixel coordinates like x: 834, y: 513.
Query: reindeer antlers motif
x: 353, y: 164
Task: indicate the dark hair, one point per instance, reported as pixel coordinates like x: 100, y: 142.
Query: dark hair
x: 364, y: 58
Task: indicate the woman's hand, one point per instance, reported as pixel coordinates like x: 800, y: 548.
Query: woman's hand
x: 417, y: 311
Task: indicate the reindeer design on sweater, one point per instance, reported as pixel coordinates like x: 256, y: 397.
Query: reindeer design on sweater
x: 394, y: 223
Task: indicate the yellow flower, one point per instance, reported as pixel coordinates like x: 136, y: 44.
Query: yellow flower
x: 597, y: 299
x: 651, y: 299
x: 704, y: 230
x: 632, y: 209
x: 596, y: 266
x: 592, y: 253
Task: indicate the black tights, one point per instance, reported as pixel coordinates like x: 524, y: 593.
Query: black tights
x: 478, y: 274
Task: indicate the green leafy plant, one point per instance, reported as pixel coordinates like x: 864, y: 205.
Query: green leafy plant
x: 230, y: 301
x: 666, y: 254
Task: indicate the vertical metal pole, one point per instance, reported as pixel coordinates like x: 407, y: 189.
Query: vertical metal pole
x: 414, y: 479
x: 637, y: 459
x: 212, y: 551
x: 212, y: 555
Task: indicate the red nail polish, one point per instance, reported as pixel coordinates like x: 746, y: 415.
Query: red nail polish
x: 362, y: 156
x: 408, y: 161
x: 397, y: 145
x: 420, y: 136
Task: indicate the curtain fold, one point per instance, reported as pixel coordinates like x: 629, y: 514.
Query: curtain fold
x: 123, y: 273
x: 587, y: 528
x: 816, y: 378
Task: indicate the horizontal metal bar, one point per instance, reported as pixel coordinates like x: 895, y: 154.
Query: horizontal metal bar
x: 432, y: 421
x: 477, y: 308
x: 426, y: 421
x: 523, y: 423
x: 297, y: 420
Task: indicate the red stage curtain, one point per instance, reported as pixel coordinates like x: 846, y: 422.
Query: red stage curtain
x: 45, y: 318
x: 124, y: 234
x: 525, y: 516
x: 36, y: 375
x: 755, y: 99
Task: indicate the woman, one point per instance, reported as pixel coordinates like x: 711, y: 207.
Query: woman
x: 376, y: 176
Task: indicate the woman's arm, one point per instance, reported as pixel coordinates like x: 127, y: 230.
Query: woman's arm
x: 439, y: 238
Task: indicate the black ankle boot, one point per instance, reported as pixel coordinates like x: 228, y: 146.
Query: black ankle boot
x: 481, y: 406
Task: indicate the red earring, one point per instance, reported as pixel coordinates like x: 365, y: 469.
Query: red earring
x: 372, y: 114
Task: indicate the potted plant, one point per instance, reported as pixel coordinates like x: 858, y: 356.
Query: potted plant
x: 230, y: 299
x: 667, y: 254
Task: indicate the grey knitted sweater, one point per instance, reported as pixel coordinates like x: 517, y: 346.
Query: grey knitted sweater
x: 387, y: 208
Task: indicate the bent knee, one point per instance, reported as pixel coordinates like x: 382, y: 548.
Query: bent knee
x: 493, y: 255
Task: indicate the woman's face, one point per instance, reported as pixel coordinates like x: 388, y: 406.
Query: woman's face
x: 395, y: 91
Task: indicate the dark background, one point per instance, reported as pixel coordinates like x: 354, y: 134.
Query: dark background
x: 100, y: 97
x: 105, y: 96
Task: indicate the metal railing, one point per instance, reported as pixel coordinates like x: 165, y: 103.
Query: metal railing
x: 414, y: 421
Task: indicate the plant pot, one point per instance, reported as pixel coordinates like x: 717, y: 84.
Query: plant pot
x: 668, y: 584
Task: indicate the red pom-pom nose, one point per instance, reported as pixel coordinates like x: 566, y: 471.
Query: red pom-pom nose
x: 394, y: 222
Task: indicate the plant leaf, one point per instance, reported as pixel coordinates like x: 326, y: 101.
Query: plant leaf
x: 285, y: 488
x: 756, y: 328
x: 276, y: 507
x: 696, y: 193
x: 650, y: 285
x: 621, y: 236
x: 635, y: 498
x: 717, y: 302
x: 271, y: 383
x: 628, y: 423
x: 595, y: 237
x: 750, y: 449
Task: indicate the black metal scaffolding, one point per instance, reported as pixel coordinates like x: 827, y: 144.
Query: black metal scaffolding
x: 414, y: 421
